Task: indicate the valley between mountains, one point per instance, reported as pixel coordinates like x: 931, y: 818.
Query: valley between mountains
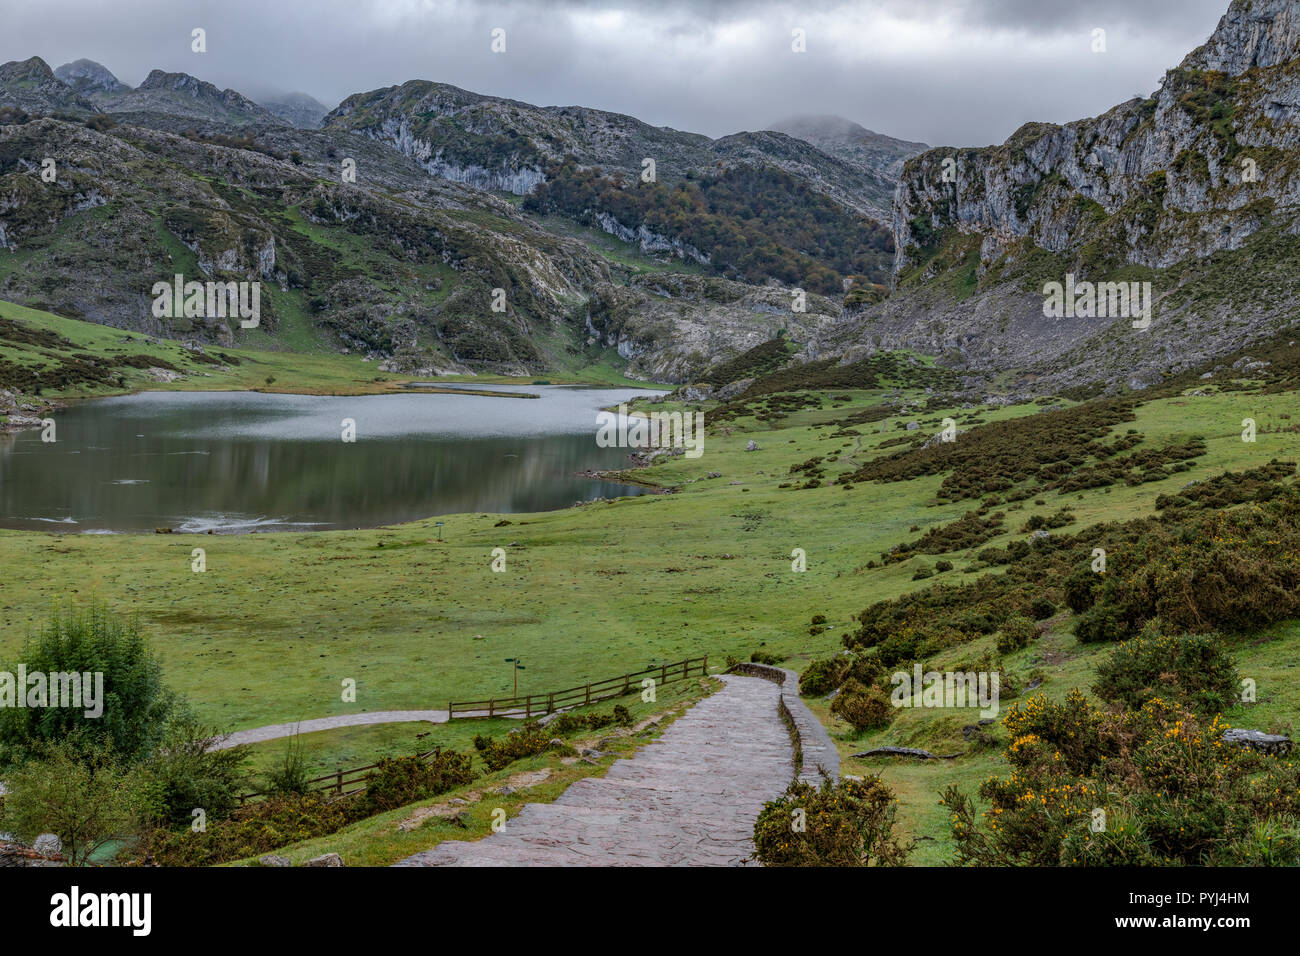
x: 906, y: 461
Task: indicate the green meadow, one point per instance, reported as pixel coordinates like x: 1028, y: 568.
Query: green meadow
x: 276, y: 624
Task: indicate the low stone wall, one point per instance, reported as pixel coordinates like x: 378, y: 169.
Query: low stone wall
x: 817, y: 751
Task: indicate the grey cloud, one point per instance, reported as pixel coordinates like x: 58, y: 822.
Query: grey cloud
x: 716, y: 66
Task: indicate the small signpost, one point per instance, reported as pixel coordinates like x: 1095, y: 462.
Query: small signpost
x: 438, y: 524
x: 517, y: 668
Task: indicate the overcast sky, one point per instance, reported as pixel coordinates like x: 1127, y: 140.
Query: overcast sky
x: 945, y: 72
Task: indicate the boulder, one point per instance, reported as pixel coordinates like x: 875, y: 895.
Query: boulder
x: 271, y: 859
x: 731, y: 390
x: 47, y: 844
x: 329, y: 859
x: 1275, y: 744
x: 751, y: 445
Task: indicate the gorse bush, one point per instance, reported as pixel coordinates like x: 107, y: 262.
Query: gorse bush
x: 1194, y: 671
x: 825, y: 675
x: 282, y: 819
x: 1151, y: 787
x: 257, y: 828
x: 532, y: 738
x: 1198, y: 571
x: 397, y: 781
x: 1016, y: 632
x: 862, y: 707
x: 528, y: 741
x: 850, y: 823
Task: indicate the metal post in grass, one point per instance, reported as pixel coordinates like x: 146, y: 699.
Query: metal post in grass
x: 438, y: 525
x: 517, y: 668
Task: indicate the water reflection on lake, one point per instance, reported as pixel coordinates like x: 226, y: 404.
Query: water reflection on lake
x: 238, y: 461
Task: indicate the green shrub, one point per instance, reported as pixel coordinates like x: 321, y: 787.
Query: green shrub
x: 1101, y: 622
x: 528, y: 741
x: 1156, y: 787
x: 257, y: 828
x: 850, y: 823
x: 136, y: 704
x: 824, y: 675
x: 1017, y: 632
x: 75, y: 789
x: 1041, y: 609
x: 762, y: 657
x: 397, y: 781
x: 862, y: 707
x: 1194, y: 671
x: 1081, y: 589
x: 183, y: 775
x: 289, y: 775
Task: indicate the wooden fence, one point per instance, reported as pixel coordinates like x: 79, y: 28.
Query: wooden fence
x: 335, y: 782
x: 338, y: 782
x: 579, y: 696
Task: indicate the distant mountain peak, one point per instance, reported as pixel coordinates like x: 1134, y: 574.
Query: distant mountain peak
x: 88, y: 76
x: 851, y: 142
x: 32, y: 85
x: 297, y: 109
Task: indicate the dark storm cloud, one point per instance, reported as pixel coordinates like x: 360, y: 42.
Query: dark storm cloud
x: 942, y: 71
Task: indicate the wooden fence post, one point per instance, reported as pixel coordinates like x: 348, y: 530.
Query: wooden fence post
x: 588, y: 693
x: 492, y: 706
x: 339, y: 779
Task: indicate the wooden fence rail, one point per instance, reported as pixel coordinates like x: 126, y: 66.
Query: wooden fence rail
x: 580, y: 696
x: 540, y: 704
x: 336, y: 781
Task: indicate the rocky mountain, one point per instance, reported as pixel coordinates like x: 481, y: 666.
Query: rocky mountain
x: 398, y: 265
x: 87, y: 76
x: 502, y: 144
x: 185, y: 96
x: 31, y: 85
x: 853, y: 143
x: 296, y: 109
x: 1192, y: 190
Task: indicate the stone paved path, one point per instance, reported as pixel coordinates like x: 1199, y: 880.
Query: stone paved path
x: 688, y: 798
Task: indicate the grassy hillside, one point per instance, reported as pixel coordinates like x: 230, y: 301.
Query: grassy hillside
x: 268, y: 633
x: 50, y: 357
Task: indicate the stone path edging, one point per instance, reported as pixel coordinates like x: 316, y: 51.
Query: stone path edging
x: 818, y: 748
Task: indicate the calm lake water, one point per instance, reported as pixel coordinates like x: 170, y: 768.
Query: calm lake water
x: 238, y: 462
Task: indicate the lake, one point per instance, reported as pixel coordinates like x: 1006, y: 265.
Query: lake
x: 244, y: 461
